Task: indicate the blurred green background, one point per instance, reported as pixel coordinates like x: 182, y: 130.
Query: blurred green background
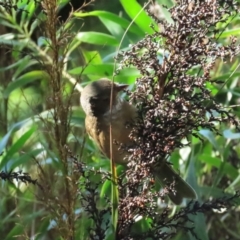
x: 94, y: 36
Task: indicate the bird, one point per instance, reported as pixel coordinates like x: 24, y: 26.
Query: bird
x: 103, y: 106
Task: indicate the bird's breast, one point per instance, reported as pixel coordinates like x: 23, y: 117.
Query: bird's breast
x: 100, y: 128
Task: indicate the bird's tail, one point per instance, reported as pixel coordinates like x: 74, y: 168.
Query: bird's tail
x: 165, y: 175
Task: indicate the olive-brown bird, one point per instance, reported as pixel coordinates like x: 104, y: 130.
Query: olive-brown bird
x: 95, y: 101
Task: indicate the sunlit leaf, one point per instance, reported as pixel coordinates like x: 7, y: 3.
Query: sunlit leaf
x: 107, y: 17
x: 105, y: 69
x: 92, y: 57
x: 229, y: 33
x: 138, y: 15
x: 97, y: 38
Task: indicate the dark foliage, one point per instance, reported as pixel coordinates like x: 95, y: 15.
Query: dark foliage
x: 19, y: 176
x: 174, y: 103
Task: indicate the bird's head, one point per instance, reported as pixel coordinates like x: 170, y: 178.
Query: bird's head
x: 96, y: 97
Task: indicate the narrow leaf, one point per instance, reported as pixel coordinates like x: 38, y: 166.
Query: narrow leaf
x: 105, y: 17
x: 140, y: 17
x: 23, y: 80
x: 97, y: 38
x: 17, y: 146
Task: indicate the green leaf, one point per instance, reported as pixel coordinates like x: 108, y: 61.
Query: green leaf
x: 227, y: 75
x: 138, y: 15
x: 214, y: 90
x: 17, y: 146
x: 230, y: 135
x: 115, y: 29
x: 105, y: 190
x: 209, y: 135
x: 191, y: 177
x: 92, y: 57
x: 23, y: 66
x: 23, y: 80
x: 8, y: 37
x: 22, y: 160
x: 200, y: 226
x: 14, y: 231
x: 97, y: 38
x: 107, y: 17
x: 94, y: 69
x: 142, y: 225
x: 7, y: 24
x: 166, y: 15
x: 34, y: 25
x: 229, y: 33
x: 105, y: 69
x: 14, y: 40
x: 235, y: 184
x: 106, y: 187
x: 217, y: 162
x: 5, y: 139
x: 26, y: 61
x: 214, y: 192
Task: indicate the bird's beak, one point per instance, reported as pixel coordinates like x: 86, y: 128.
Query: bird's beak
x: 121, y: 87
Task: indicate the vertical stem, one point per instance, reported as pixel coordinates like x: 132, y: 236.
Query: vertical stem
x: 114, y: 188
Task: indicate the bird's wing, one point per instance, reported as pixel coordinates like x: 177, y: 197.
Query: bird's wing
x: 100, y: 133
